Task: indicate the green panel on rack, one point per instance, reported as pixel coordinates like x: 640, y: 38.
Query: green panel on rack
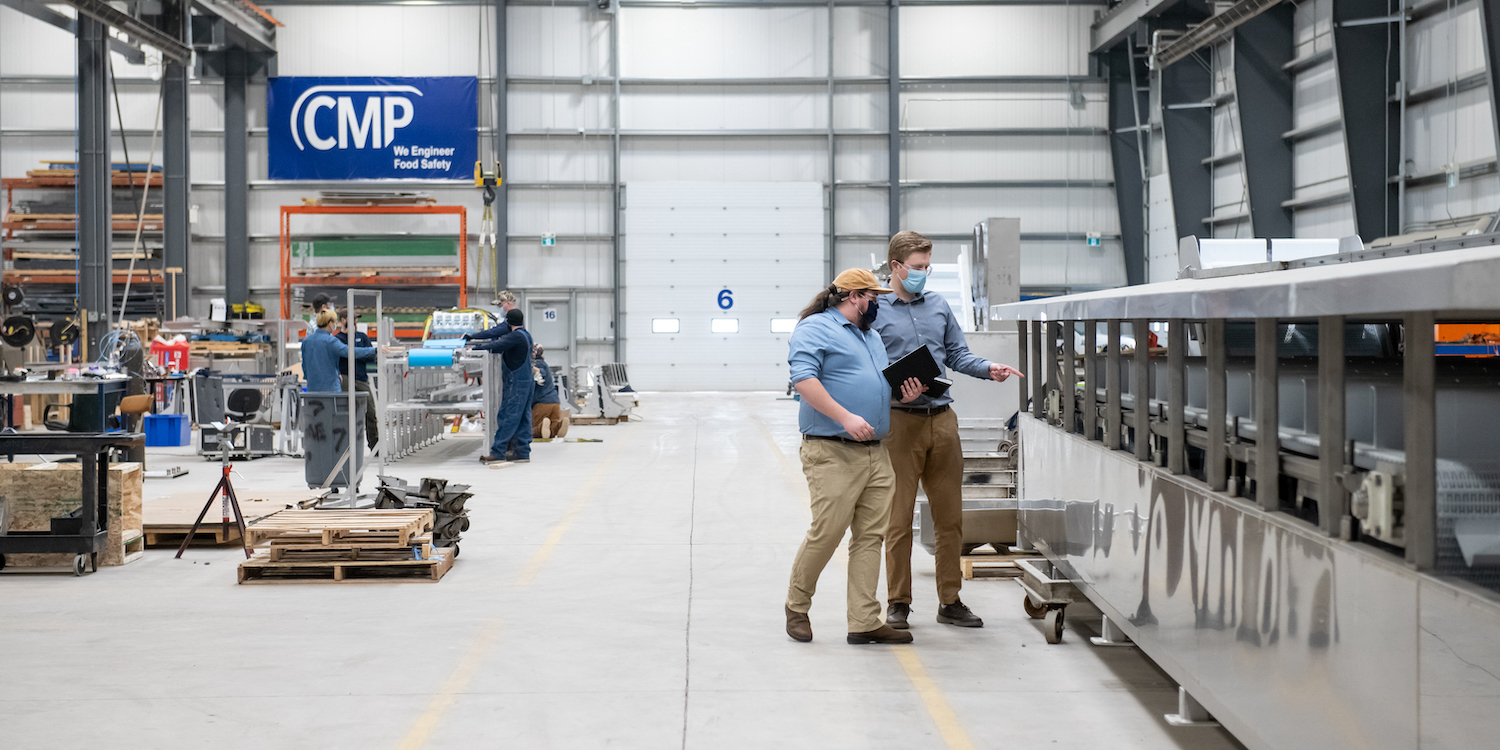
x: 376, y: 245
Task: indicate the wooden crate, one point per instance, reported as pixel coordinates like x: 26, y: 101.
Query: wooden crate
x: 167, y: 520
x: 335, y: 566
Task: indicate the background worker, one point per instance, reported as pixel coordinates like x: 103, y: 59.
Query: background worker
x: 361, y: 374
x: 835, y: 365
x: 546, y: 405
x: 507, y: 303
x: 513, y: 419
x: 321, y: 353
x: 924, y: 441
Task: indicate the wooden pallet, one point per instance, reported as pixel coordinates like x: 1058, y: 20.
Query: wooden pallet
x: 327, y: 527
x: 991, y: 566
x: 575, y: 421
x: 213, y: 534
x: 333, y: 566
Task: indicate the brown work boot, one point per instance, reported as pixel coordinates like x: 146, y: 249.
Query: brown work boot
x: 882, y: 634
x: 798, y: 626
x: 897, y: 614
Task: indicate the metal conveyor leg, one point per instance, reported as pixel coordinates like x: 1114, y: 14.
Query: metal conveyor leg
x: 1111, y: 635
x: 1190, y: 713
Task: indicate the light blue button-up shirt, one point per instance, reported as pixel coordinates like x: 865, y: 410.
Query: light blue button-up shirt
x: 847, y: 361
x: 928, y: 320
x: 320, y: 360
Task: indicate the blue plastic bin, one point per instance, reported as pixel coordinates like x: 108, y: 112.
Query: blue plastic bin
x: 168, y: 430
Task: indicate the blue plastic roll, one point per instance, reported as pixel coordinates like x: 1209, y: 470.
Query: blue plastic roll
x: 442, y: 343
x: 429, y: 358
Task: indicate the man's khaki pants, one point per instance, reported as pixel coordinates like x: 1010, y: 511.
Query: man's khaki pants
x: 926, y: 448
x: 554, y: 412
x: 850, y: 489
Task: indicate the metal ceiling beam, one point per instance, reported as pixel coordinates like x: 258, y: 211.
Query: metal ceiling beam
x: 40, y: 12
x: 1368, y: 61
x: 1114, y: 26
x: 103, y: 12
x: 1262, y: 48
x: 1212, y: 29
x: 250, y: 26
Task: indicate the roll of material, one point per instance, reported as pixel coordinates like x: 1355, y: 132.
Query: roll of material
x: 429, y: 358
x: 442, y: 343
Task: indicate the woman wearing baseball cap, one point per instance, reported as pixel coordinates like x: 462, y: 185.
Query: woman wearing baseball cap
x: 836, y: 363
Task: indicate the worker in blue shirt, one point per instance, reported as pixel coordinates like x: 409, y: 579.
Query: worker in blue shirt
x: 361, y: 375
x: 507, y: 303
x: 513, y: 419
x: 836, y: 363
x: 321, y: 352
x: 924, y: 442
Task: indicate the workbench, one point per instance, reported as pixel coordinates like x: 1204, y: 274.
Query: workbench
x: 84, y: 387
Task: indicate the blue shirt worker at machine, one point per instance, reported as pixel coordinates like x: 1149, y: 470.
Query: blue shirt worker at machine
x: 513, y: 418
x: 836, y: 363
x: 924, y: 441
x: 321, y: 352
x: 361, y: 375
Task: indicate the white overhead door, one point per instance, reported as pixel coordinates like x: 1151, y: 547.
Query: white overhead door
x: 715, y: 273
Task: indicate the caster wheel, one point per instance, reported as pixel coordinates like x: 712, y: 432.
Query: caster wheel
x: 1033, y: 611
x: 80, y: 564
x: 455, y: 551
x: 2, y: 562
x: 1052, y: 626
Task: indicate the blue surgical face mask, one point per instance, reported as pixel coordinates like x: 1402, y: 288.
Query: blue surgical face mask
x: 914, y: 280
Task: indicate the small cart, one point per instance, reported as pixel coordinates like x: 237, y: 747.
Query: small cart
x: 1048, y: 594
x: 93, y: 522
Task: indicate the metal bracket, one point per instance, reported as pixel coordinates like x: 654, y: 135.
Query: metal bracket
x: 1190, y: 713
x: 1110, y: 635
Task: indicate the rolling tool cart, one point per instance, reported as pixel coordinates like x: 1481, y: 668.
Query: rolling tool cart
x: 85, y: 535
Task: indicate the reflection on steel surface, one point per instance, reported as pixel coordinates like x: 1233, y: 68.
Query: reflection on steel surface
x: 1292, y: 639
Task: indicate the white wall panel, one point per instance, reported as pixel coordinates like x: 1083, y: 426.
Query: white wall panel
x: 724, y: 42
x: 723, y: 108
x: 559, y: 159
x: 567, y: 42
x: 687, y: 243
x: 1445, y: 46
x: 728, y: 159
x: 996, y: 40
x: 948, y: 210
x: 860, y: 47
x: 380, y: 40
x: 538, y: 108
x: 1006, y: 157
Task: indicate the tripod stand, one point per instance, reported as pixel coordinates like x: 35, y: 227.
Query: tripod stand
x: 224, y: 487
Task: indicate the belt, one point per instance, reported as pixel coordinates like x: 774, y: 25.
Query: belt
x: 926, y: 411
x: 866, y: 443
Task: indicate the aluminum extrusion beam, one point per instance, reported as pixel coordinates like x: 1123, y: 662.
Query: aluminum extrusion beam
x: 176, y: 174
x: 1188, y: 133
x: 1453, y: 280
x: 1053, y: 331
x: 1217, y: 453
x: 236, y: 179
x: 1112, y: 387
x: 1023, y: 360
x: 1215, y: 27
x: 893, y: 117
x: 1267, y: 414
x: 1125, y: 152
x: 501, y: 261
x: 107, y: 14
x: 1115, y: 25
x: 1262, y: 48
x: 247, y: 25
x: 1368, y: 61
x: 1069, y: 375
x: 1090, y: 379
x: 1333, y: 505
x: 94, y: 200
x: 1140, y: 386
x: 40, y: 12
x: 1176, y: 395
x: 1039, y: 368
x: 1419, y: 415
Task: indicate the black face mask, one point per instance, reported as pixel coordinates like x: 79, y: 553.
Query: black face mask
x: 867, y: 318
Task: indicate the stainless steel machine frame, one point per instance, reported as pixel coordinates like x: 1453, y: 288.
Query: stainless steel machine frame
x: 415, y: 400
x: 1292, y: 633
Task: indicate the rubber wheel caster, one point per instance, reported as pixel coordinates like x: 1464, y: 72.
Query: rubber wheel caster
x: 80, y: 564
x: 1052, y: 626
x: 455, y: 551
x: 1033, y: 611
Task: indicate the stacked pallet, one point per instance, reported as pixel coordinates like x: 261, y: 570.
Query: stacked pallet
x: 445, y: 500
x: 338, y: 546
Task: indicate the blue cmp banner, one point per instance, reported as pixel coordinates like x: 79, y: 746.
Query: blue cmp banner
x: 372, y: 128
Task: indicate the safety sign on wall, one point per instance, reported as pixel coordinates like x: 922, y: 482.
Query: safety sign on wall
x: 372, y: 128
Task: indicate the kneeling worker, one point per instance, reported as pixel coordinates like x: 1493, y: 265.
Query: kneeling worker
x: 546, y: 407
x: 924, y: 433
x: 836, y: 361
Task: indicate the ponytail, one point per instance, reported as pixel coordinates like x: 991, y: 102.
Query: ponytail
x: 824, y: 299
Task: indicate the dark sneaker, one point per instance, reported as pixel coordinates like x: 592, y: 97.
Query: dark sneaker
x: 487, y: 459
x: 798, y: 626
x: 958, y: 614
x: 882, y: 634
x: 896, y: 614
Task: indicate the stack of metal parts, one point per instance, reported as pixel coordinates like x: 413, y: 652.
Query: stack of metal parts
x: 602, y: 392
x: 446, y: 502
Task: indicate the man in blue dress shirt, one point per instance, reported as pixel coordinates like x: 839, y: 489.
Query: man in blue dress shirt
x: 924, y: 441
x: 836, y: 363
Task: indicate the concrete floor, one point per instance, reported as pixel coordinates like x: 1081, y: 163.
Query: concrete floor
x: 624, y: 594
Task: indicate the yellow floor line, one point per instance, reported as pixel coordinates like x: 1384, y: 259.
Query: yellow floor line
x: 580, y: 499
x: 447, y: 695
x: 937, y: 705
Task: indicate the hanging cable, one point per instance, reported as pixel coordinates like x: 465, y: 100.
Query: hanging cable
x: 140, y: 217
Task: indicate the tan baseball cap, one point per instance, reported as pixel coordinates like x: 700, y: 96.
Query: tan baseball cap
x: 859, y: 278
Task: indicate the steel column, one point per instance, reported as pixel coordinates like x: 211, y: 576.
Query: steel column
x: 1218, y: 400
x: 1140, y: 386
x: 617, y: 250
x: 1112, y: 437
x: 1176, y: 395
x: 176, y: 170
x: 1124, y: 148
x: 1419, y: 410
x: 94, y: 201
x: 1090, y: 380
x: 1332, y: 504
x: 893, y: 115
x: 1267, y: 417
x: 501, y: 261
x: 1038, y: 372
x: 236, y: 179
x: 1187, y: 126
x: 1368, y: 62
x: 1022, y: 361
x: 1069, y: 391
x: 1262, y: 46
